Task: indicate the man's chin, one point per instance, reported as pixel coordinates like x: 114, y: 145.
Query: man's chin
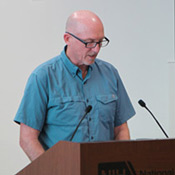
x: 90, y: 62
x: 91, y: 59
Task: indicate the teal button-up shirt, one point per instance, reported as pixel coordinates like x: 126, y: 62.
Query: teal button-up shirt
x: 56, y: 97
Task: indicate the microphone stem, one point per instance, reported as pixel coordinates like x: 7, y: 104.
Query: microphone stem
x: 78, y: 126
x: 157, y: 122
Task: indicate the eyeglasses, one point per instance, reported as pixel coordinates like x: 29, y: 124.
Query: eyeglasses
x: 104, y: 42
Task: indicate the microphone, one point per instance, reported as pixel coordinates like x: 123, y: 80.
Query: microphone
x: 142, y: 103
x: 87, y: 110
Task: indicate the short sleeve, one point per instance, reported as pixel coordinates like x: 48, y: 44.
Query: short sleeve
x: 124, y: 109
x: 33, y: 107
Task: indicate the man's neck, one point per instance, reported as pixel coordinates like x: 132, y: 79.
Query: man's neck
x: 84, y: 70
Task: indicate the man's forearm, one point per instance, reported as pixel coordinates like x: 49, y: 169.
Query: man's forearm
x: 122, y: 135
x: 29, y: 142
x: 33, y: 149
x: 122, y: 132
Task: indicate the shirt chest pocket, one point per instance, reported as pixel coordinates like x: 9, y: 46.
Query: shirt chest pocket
x: 64, y: 110
x: 107, y: 107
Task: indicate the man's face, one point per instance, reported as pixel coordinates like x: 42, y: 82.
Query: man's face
x: 79, y: 54
x: 85, y: 55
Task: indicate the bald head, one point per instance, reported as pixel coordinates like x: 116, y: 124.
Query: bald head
x: 84, y: 21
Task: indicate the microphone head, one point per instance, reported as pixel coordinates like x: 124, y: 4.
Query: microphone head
x: 88, y: 109
x: 142, y: 103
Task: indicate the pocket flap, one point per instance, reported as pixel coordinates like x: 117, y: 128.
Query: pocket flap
x: 66, y: 99
x: 106, y: 98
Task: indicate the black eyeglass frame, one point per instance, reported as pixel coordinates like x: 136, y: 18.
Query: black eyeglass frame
x: 86, y: 43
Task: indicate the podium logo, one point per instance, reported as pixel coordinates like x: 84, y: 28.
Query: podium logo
x: 116, y: 168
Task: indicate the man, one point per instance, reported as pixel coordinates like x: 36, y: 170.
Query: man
x: 59, y: 91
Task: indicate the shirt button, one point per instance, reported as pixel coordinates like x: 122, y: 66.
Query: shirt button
x: 89, y: 119
x: 92, y: 137
x: 87, y: 100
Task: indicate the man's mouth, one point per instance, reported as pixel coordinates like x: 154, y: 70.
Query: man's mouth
x: 92, y: 55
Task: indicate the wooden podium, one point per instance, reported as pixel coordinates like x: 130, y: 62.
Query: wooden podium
x: 144, y: 157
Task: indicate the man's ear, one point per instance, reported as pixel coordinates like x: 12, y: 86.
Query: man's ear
x: 67, y: 38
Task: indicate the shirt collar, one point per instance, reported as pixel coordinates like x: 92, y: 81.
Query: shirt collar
x: 69, y: 65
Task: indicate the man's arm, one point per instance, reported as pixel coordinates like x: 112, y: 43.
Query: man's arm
x: 122, y: 132
x: 29, y: 142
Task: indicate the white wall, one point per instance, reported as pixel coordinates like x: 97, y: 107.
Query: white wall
x: 141, y: 47
x: 172, y: 97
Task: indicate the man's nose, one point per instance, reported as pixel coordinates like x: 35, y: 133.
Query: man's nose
x: 96, y: 48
